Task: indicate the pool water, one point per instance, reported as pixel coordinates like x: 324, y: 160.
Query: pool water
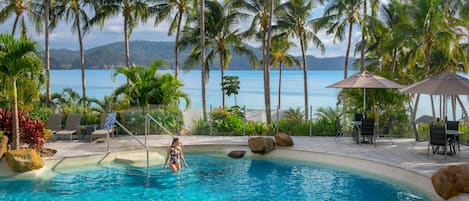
x: 213, y: 176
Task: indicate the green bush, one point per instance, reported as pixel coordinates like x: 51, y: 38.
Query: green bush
x: 257, y: 128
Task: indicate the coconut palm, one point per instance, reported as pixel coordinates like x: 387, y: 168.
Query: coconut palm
x: 337, y: 16
x: 280, y: 47
x: 133, y: 11
x: 75, y: 11
x: 261, y: 13
x: 295, y: 19
x: 165, y: 8
x: 221, y: 39
x: 365, y: 32
x: 17, y: 59
x: 20, y: 8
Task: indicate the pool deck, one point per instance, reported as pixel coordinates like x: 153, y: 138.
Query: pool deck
x: 403, y: 153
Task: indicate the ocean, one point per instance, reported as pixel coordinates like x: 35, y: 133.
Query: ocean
x: 251, y: 93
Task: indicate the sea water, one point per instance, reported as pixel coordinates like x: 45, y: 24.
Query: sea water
x: 99, y: 83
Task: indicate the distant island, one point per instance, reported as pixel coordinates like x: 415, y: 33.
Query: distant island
x: 143, y: 52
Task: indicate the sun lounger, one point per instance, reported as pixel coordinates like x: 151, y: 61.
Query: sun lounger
x: 106, y: 126
x: 54, y: 122
x: 72, y: 126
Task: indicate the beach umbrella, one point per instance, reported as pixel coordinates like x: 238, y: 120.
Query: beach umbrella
x: 365, y: 80
x: 445, y: 83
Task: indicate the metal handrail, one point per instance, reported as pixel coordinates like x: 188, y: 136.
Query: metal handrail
x: 135, y: 137
x: 147, y: 127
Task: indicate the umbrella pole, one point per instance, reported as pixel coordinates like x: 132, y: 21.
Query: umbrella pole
x: 433, y: 108
x: 364, y: 101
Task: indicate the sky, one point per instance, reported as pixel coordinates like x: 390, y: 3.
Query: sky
x: 63, y: 37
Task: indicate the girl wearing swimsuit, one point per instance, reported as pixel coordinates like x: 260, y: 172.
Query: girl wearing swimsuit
x: 174, y: 155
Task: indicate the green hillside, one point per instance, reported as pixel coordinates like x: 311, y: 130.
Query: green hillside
x: 143, y: 52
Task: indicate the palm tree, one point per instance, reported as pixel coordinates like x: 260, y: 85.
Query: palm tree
x: 149, y: 87
x: 365, y: 34
x: 76, y: 12
x: 295, y: 19
x: 202, y: 57
x: 261, y: 13
x: 133, y: 11
x: 280, y: 47
x: 17, y: 58
x: 221, y: 40
x: 19, y: 8
x: 337, y: 16
x: 165, y: 8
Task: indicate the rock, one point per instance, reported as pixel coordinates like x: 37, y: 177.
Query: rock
x: 261, y: 145
x: 184, y: 131
x: 283, y: 140
x: 236, y: 154
x: 23, y: 160
x: 451, y: 181
x: 3, y: 145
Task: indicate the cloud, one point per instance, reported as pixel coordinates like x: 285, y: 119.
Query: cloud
x: 112, y: 32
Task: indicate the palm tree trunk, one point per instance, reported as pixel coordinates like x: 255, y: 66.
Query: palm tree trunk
x: 413, y: 116
x: 305, y: 76
x: 16, y: 132
x: 362, y: 51
x: 17, y: 18
x: 394, y: 60
x: 267, y: 62
x: 202, y: 54
x: 46, y: 53
x: 176, y: 52
x: 222, y: 71
x: 126, y: 43
x: 349, y: 41
x: 279, y: 84
x: 82, y: 58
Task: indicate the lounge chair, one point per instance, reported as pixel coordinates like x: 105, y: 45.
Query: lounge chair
x: 72, y: 126
x: 367, y: 129
x: 438, y: 138
x: 385, y: 132
x: 54, y: 122
x: 106, y: 126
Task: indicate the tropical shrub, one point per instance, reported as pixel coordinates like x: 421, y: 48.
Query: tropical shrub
x: 258, y: 128
x: 32, y: 132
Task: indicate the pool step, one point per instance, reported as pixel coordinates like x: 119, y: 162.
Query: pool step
x: 139, y: 159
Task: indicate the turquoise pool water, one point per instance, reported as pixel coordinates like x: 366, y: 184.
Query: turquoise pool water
x: 213, y: 177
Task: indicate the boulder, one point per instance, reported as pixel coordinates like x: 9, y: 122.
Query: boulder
x: 451, y: 181
x: 261, y: 145
x: 236, y: 154
x: 3, y: 145
x: 184, y: 131
x: 23, y: 160
x: 283, y: 140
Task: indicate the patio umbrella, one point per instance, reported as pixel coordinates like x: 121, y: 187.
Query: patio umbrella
x: 366, y: 80
x: 445, y: 83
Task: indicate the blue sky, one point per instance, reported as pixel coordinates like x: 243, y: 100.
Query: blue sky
x: 62, y: 37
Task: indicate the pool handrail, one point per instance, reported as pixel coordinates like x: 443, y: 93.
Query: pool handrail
x: 148, y: 117
x: 135, y: 137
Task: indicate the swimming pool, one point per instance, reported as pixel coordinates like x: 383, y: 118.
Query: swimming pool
x: 213, y: 176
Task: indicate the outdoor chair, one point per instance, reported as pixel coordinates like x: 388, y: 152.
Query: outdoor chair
x: 106, y: 126
x: 438, y: 139
x: 72, y: 126
x: 385, y: 131
x: 454, y: 125
x: 54, y: 122
x: 367, y: 129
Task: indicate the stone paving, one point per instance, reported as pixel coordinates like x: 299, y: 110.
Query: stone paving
x: 404, y: 153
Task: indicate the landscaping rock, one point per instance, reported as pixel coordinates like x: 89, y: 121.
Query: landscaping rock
x: 283, y: 140
x: 23, y: 160
x: 451, y: 181
x: 3, y: 145
x: 236, y: 154
x: 261, y: 145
